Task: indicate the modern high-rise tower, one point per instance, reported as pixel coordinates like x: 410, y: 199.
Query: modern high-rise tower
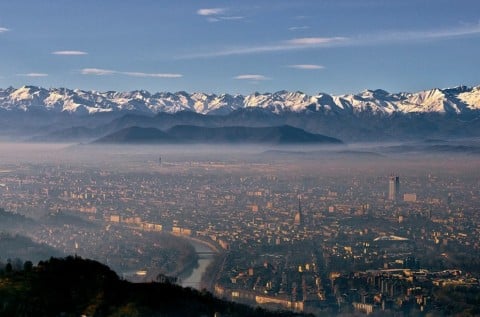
x: 393, y: 188
x: 298, y: 220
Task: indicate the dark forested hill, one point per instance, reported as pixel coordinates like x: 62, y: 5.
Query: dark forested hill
x: 73, y: 287
x: 197, y: 134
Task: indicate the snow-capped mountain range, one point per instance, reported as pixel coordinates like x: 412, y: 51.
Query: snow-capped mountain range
x: 458, y: 100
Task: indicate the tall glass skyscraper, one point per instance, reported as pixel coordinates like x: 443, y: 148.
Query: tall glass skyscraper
x: 393, y: 188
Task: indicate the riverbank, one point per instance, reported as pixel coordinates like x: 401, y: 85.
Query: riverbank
x: 189, y: 272
x: 210, y: 245
x: 209, y: 252
x: 164, y: 254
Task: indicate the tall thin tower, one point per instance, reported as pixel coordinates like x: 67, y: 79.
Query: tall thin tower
x: 393, y: 187
x: 298, y: 221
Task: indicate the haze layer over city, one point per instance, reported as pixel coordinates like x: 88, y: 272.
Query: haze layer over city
x: 239, y: 158
x: 309, y: 229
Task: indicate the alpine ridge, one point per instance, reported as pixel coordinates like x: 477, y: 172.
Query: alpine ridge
x: 185, y: 134
x: 458, y: 100
x: 63, y: 115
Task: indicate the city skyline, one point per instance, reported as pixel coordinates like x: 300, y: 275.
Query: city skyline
x: 229, y: 47
x: 249, y: 150
x: 318, y: 236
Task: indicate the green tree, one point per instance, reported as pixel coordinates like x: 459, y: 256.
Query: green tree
x: 28, y: 266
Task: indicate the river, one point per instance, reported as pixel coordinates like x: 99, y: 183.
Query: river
x: 194, y: 279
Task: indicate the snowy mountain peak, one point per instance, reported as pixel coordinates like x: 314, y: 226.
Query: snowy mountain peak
x: 456, y: 100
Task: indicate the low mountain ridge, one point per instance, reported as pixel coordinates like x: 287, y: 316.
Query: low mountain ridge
x: 182, y: 134
x: 137, y: 135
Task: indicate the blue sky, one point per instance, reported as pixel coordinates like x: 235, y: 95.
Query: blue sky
x: 333, y: 46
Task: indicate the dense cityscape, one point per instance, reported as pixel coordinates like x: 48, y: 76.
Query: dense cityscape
x: 324, y: 236
x: 240, y: 158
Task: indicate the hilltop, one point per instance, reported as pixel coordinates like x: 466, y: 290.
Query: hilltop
x: 73, y: 286
x: 220, y: 135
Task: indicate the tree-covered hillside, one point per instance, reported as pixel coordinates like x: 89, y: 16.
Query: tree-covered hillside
x: 74, y: 287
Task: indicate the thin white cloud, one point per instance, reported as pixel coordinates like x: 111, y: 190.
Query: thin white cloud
x: 337, y: 41
x: 313, y: 41
x: 210, y: 11
x: 298, y: 28
x: 33, y: 75
x: 69, y: 53
x: 254, y: 77
x: 3, y: 30
x: 97, y: 71
x: 307, y: 66
x: 104, y: 72
x: 217, y: 15
x: 155, y: 75
x: 231, y: 18
x: 226, y: 18
x: 418, y: 35
x: 294, y: 44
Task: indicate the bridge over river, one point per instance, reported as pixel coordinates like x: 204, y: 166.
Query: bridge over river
x: 206, y: 253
